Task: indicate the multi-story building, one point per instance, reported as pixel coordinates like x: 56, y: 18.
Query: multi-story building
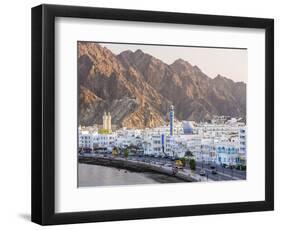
x: 222, y: 141
x: 85, y: 139
x: 128, y: 137
x: 242, y: 141
x: 227, y: 153
x: 242, y: 145
x: 104, y: 140
x: 207, y: 150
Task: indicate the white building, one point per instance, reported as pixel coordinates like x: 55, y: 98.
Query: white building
x: 222, y: 141
x: 227, y: 153
x: 207, y: 150
x: 242, y: 141
x: 128, y: 137
x: 85, y: 139
x: 104, y: 140
x: 243, y: 145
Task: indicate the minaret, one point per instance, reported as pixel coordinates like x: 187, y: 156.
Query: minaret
x: 109, y: 122
x: 171, y: 120
x: 104, y: 121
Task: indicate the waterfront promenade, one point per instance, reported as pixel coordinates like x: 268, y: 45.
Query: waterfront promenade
x: 142, y: 166
x: 137, y: 163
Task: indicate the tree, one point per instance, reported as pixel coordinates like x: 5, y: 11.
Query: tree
x: 183, y: 161
x: 188, y: 153
x: 115, y: 151
x: 192, y: 164
x: 126, y: 153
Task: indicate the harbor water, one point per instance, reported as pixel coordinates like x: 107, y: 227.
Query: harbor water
x: 96, y: 175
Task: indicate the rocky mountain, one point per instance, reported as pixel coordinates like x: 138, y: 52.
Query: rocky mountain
x: 137, y: 89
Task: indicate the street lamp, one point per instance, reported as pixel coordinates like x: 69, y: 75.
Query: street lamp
x: 217, y: 172
x: 202, y: 160
x: 201, y: 152
x: 231, y: 167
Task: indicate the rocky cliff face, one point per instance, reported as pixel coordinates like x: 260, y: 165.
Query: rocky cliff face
x: 137, y: 89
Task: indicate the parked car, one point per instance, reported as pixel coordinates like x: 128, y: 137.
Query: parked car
x: 214, y: 172
x: 241, y: 167
x: 224, y: 166
x: 202, y: 172
x: 212, y: 167
x: 231, y: 167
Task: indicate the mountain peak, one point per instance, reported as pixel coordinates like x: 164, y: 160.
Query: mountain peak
x: 128, y: 54
x: 139, y: 51
x: 197, y: 68
x: 222, y: 78
x: 180, y: 66
x: 124, y: 83
x: 180, y: 61
x: 183, y: 63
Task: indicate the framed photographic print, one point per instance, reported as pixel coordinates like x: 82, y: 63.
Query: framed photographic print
x: 142, y: 114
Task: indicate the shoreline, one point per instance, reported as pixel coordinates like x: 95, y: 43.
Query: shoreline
x: 157, y: 178
x: 136, y: 166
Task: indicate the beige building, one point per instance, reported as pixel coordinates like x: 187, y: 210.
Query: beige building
x: 106, y: 121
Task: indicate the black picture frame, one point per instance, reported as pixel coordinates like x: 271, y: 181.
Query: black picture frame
x: 43, y: 114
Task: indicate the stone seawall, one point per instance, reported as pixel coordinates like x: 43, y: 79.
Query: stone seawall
x: 137, y: 166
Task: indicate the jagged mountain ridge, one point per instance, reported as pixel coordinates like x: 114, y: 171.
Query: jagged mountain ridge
x: 137, y: 89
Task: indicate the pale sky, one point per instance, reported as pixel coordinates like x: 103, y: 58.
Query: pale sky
x: 230, y: 63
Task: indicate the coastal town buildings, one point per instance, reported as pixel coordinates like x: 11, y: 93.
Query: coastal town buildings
x: 221, y: 141
x: 85, y: 139
x: 106, y: 122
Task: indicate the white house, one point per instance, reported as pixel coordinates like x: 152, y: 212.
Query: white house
x: 104, y: 140
x: 227, y: 153
x: 85, y: 139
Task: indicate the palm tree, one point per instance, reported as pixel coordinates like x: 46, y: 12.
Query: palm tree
x: 192, y: 164
x: 126, y: 153
x: 188, y: 154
